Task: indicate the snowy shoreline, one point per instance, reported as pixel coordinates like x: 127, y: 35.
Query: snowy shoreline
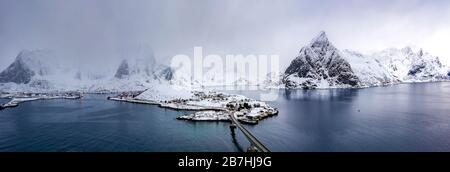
x: 357, y: 87
x: 18, y: 98
x: 208, y: 106
x: 9, y: 94
x: 174, y: 106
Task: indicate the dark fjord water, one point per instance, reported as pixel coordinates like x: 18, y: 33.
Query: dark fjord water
x: 407, y: 117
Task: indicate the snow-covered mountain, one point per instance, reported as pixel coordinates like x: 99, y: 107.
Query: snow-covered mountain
x: 123, y: 70
x: 369, y: 70
x: 35, y: 70
x: 408, y: 65
x: 137, y: 71
x: 214, y: 75
x: 29, y: 65
x: 320, y: 65
x: 159, y: 72
x: 221, y: 78
x: 40, y: 71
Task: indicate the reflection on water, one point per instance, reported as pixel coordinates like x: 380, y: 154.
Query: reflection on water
x: 323, y: 95
x: 407, y: 117
x: 236, y: 142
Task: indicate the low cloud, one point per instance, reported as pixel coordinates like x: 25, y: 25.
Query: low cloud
x: 87, y: 33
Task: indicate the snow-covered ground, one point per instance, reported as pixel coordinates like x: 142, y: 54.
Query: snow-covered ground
x: 206, y: 116
x: 209, y: 105
x: 17, y: 98
x: 162, y: 92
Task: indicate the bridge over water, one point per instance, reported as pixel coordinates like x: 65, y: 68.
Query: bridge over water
x: 255, y: 143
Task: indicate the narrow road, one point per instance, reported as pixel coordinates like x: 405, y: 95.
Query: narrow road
x: 253, y: 140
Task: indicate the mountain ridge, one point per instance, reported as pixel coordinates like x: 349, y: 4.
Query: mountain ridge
x: 389, y: 66
x: 318, y: 65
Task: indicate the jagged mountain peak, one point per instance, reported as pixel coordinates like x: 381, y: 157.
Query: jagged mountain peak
x: 319, y: 64
x: 140, y: 61
x: 320, y: 39
x: 407, y: 50
x: 22, y: 54
x: 29, y: 63
x: 123, y: 70
x: 320, y: 45
x: 411, y: 64
x: 142, y: 65
x: 34, y: 56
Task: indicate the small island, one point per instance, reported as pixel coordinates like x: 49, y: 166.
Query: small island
x: 209, y: 105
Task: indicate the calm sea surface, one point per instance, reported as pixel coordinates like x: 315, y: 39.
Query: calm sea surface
x: 407, y: 117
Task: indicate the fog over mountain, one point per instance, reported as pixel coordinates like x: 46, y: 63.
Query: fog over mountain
x: 97, y: 35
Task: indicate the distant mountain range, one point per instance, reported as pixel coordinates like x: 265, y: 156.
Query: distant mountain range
x: 321, y: 65
x: 40, y: 71
x: 318, y: 65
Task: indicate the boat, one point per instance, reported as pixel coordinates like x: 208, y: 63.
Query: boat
x: 73, y: 97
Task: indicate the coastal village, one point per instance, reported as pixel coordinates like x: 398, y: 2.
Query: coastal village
x: 209, y: 106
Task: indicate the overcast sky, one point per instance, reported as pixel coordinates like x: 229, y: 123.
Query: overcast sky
x: 92, y: 32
